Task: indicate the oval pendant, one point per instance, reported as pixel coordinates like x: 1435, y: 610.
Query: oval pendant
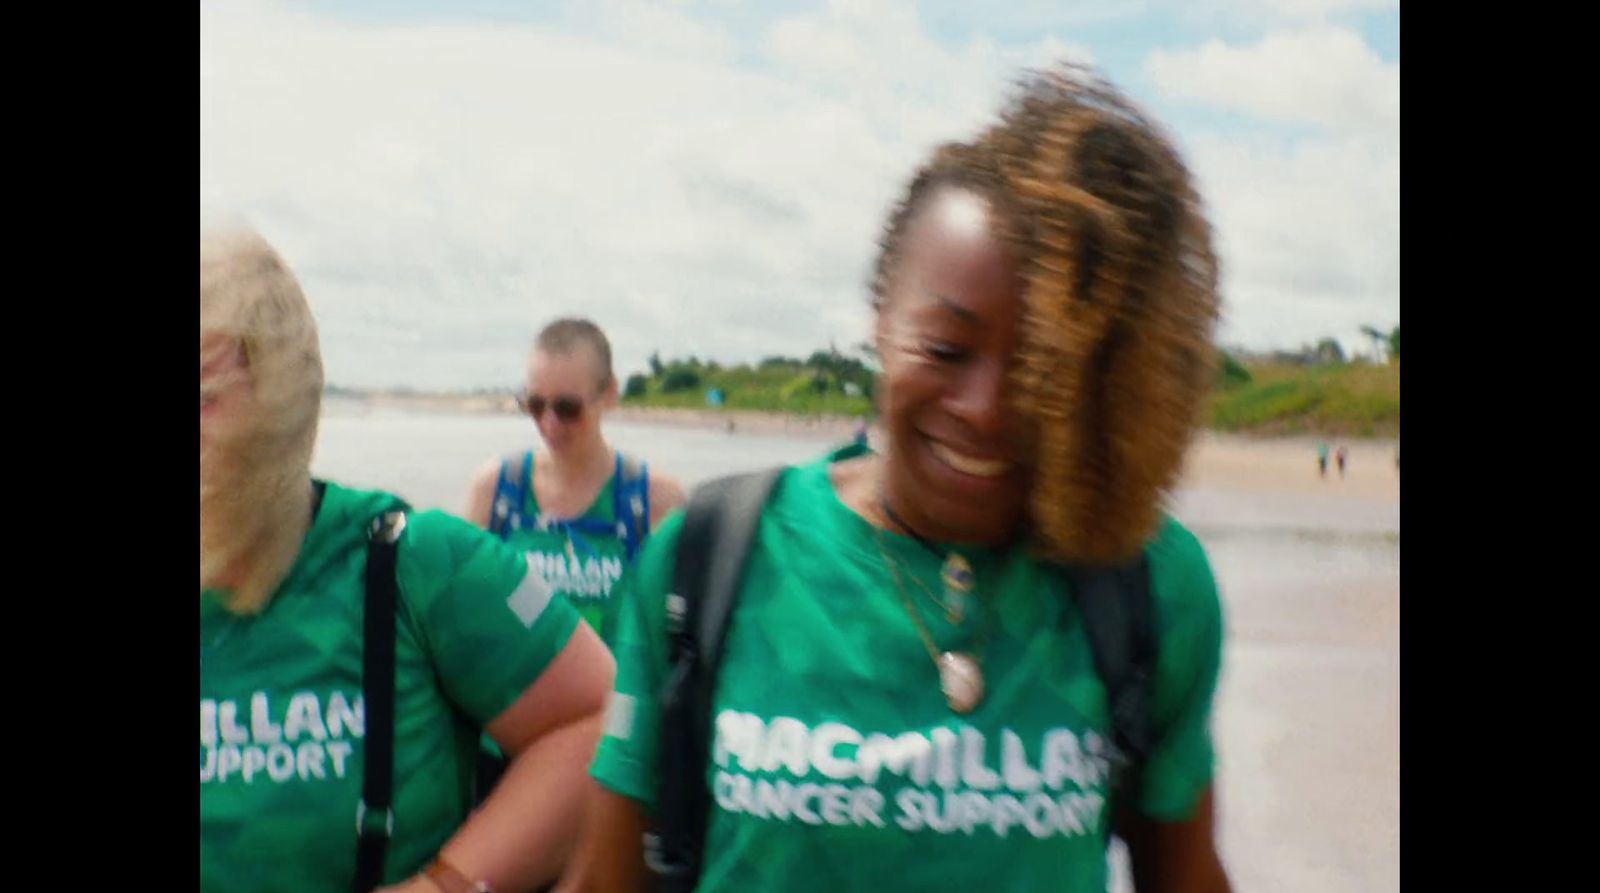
x: 962, y: 681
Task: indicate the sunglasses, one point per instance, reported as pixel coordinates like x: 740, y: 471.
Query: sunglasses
x: 567, y: 409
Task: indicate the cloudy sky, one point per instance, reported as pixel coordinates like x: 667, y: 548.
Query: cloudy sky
x: 709, y: 176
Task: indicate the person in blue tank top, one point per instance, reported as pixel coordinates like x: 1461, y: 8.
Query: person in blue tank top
x: 577, y: 507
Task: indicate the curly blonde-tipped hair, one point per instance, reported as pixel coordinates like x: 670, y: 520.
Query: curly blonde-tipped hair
x: 1120, y: 305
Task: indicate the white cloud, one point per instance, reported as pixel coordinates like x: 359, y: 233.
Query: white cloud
x: 442, y: 189
x: 1308, y: 227
x: 1323, y: 75
x: 1291, y: 10
x: 1075, y: 15
x: 651, y: 26
x: 1309, y: 236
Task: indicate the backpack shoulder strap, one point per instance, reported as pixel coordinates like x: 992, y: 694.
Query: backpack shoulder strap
x: 374, y: 811
x: 508, y: 512
x: 1118, y: 614
x: 719, y: 528
x: 630, y: 502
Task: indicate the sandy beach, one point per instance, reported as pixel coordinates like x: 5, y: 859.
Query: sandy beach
x: 772, y: 424
x: 1307, y: 717
x: 1289, y: 466
x: 1216, y: 461
x: 1229, y: 461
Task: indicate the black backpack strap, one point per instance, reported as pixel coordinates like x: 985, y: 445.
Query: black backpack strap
x: 374, y: 811
x: 1118, y: 613
x: 719, y: 528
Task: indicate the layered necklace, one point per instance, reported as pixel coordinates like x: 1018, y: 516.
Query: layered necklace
x: 960, y: 672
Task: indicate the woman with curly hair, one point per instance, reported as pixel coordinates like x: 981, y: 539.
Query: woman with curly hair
x: 915, y: 689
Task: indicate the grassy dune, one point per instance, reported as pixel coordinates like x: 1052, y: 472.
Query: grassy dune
x: 779, y: 388
x: 1353, y: 400
x: 1269, y: 399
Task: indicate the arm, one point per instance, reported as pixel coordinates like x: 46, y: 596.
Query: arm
x: 480, y: 493
x: 523, y: 833
x: 1169, y: 823
x: 611, y: 857
x: 1175, y: 857
x: 515, y: 658
x: 666, y: 497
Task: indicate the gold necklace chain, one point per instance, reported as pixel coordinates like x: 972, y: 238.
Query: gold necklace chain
x: 953, y: 612
x: 960, y: 673
x: 956, y: 573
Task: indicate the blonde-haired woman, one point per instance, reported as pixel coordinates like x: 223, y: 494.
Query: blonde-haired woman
x: 286, y: 727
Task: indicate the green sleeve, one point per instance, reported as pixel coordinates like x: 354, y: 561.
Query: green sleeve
x: 1189, y: 623
x: 625, y: 762
x: 488, y: 625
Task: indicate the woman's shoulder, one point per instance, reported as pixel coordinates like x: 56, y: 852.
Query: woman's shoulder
x: 1181, y: 575
x: 1175, y: 543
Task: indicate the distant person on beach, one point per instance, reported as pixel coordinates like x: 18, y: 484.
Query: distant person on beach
x: 351, y: 650
x: 579, y: 508
x: 1341, y: 456
x: 937, y: 659
x: 859, y: 437
x: 1322, y: 458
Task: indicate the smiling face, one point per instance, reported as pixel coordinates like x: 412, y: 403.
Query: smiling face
x: 947, y: 333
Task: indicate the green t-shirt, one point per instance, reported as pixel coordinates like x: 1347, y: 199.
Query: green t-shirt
x: 281, y: 710
x: 583, y: 568
x: 836, y: 762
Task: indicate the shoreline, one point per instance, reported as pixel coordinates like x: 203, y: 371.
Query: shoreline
x: 1216, y: 460
x: 744, y: 421
x: 759, y: 421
